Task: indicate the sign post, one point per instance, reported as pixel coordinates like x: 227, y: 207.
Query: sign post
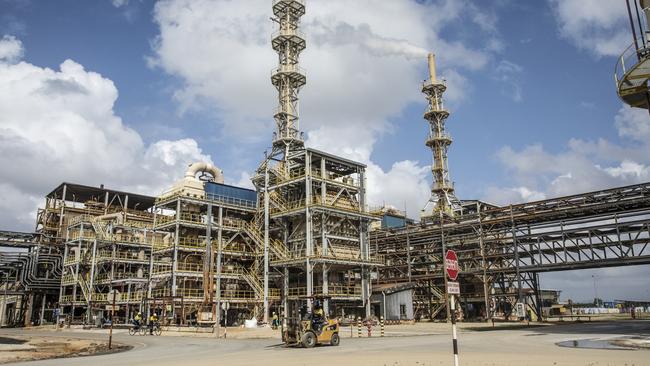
x: 453, y: 289
x: 112, y: 298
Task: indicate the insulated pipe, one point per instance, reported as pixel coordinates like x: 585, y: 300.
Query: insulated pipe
x: 116, y: 215
x: 205, y: 167
x: 26, y: 264
x: 432, y: 67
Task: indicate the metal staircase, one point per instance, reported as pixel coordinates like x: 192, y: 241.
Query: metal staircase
x: 277, y: 200
x: 85, y: 287
x: 253, y: 281
x: 101, y: 229
x: 429, y: 300
x: 275, y: 246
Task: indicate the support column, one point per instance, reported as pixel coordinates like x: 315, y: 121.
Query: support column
x: 538, y: 297
x: 363, y: 246
x: 208, y: 262
x: 28, y: 310
x: 218, y: 287
x: 76, y: 270
x: 323, y: 230
x: 106, y: 203
x: 309, y: 268
x: 266, y: 245
x: 444, y: 264
x: 149, y: 282
x: 285, y: 294
x: 91, y: 281
x: 515, y: 247
x: 326, y: 302
x: 65, y: 270
x: 408, y: 249
x: 175, y: 253
x: 484, y: 265
x: 65, y: 190
x: 365, y: 288
x: 128, y: 301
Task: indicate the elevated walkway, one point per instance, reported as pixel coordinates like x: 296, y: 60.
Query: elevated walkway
x: 631, y: 75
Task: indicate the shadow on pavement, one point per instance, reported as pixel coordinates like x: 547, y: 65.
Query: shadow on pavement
x: 629, y: 327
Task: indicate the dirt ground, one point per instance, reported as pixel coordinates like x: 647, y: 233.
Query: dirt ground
x: 17, y: 349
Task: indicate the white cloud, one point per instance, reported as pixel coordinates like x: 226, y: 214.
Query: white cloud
x: 510, y: 74
x: 59, y: 125
x: 120, y: 3
x: 583, y: 166
x: 244, y: 181
x: 597, y: 26
x: 633, y: 124
x: 11, y: 49
x: 405, y: 186
x: 509, y: 195
x: 365, y: 61
x: 630, y: 171
x: 18, y: 208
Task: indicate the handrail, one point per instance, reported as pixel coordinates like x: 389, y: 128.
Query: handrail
x: 198, y: 294
x: 332, y: 290
x: 622, y: 66
x: 210, y: 197
x: 275, y: 2
x: 126, y: 255
x: 290, y: 68
x: 77, y: 235
x: 80, y: 218
x: 231, y: 200
x: 288, y: 32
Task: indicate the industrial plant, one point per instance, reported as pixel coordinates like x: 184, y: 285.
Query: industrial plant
x: 205, y: 253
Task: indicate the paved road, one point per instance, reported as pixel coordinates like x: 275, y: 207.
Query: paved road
x: 535, y: 346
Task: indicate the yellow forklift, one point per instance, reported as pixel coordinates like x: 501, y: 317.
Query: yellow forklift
x: 301, y: 328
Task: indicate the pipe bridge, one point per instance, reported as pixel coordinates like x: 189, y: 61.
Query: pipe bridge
x: 502, y: 249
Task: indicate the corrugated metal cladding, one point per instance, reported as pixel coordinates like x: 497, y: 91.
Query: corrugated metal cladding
x: 225, y: 190
x: 388, y: 222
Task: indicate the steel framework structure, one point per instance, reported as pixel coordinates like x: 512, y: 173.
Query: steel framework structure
x: 208, y: 243
x: 502, y: 249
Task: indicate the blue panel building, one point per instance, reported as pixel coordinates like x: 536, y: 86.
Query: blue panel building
x: 231, y: 194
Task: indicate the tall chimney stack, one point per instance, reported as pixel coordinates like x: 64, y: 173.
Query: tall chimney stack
x: 432, y: 67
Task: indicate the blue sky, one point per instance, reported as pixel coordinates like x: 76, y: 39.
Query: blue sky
x: 189, y: 80
x: 566, y: 92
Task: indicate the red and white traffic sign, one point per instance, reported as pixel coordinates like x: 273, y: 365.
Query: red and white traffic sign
x: 451, y: 265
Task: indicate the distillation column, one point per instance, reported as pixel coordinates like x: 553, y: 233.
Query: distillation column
x: 288, y: 78
x: 443, y: 202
